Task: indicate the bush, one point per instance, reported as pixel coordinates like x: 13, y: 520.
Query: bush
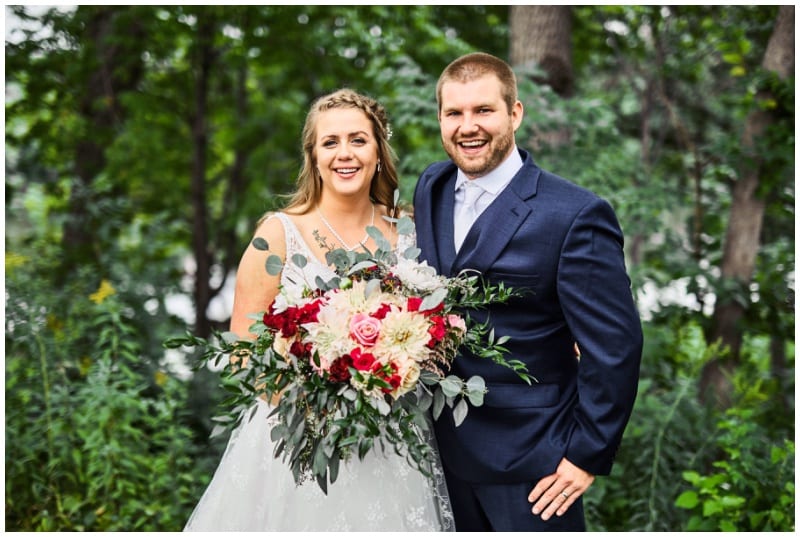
x: 686, y: 467
x: 94, y: 436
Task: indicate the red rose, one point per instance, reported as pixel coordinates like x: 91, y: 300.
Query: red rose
x: 300, y: 350
x: 339, y: 371
x: 437, y: 330
x: 363, y: 361
x: 413, y: 303
x: 382, y: 311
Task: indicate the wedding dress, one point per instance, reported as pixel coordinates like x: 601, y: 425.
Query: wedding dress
x: 253, y: 491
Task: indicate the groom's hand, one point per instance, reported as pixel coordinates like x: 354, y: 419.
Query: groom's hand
x: 554, y: 494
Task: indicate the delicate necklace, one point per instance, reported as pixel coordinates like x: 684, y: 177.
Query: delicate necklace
x: 339, y: 238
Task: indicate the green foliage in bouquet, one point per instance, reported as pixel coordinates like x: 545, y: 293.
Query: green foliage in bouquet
x: 359, y: 361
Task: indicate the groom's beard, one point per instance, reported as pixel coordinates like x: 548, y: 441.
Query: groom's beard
x: 497, y: 149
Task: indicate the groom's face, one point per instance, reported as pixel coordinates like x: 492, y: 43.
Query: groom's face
x: 476, y: 125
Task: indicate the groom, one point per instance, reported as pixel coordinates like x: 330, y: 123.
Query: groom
x: 522, y: 460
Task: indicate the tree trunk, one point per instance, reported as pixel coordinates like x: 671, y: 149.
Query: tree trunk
x: 541, y: 36
x: 202, y: 281
x: 115, y: 67
x: 742, y: 239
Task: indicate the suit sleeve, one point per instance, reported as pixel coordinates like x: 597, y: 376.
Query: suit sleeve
x: 595, y: 294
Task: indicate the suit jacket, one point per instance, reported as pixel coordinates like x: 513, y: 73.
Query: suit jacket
x: 562, y: 246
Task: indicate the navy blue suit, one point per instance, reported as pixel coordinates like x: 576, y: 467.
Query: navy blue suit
x: 562, y: 246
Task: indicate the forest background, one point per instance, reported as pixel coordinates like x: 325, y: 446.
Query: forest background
x: 143, y: 142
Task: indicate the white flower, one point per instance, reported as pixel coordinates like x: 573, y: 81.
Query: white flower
x: 417, y: 275
x: 404, y: 335
x: 288, y: 296
x: 329, y: 335
x: 355, y: 300
x: 409, y: 372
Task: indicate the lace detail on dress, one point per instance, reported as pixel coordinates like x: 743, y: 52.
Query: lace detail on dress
x: 253, y: 491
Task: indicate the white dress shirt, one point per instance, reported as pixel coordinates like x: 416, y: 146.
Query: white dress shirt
x: 492, y: 184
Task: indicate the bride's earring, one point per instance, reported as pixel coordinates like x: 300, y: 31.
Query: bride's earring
x: 379, y: 166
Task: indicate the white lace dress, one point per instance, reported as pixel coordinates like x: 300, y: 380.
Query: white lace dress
x: 253, y: 491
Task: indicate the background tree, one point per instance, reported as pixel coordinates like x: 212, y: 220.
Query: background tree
x: 541, y: 36
x: 768, y: 125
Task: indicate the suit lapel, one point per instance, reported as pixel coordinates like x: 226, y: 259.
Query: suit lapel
x: 495, y: 227
x: 434, y: 220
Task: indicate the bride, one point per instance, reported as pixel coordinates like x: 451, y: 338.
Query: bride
x: 347, y: 183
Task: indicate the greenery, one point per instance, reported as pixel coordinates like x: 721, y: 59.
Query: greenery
x: 143, y: 142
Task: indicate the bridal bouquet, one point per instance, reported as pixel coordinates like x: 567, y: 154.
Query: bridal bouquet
x: 360, y: 360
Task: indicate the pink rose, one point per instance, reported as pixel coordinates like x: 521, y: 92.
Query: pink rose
x: 456, y: 322
x: 364, y: 329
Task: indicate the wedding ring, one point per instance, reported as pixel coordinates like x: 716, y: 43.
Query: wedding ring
x: 565, y: 495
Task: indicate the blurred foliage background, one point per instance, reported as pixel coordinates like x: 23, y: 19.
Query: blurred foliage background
x: 143, y: 142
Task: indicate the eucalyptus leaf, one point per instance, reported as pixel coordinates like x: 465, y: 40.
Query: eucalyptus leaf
x: 300, y: 260
x: 438, y: 403
x: 433, y: 300
x: 218, y: 430
x: 381, y: 405
x: 476, y: 398
x: 260, y: 244
x: 460, y: 412
x: 333, y: 466
x: 451, y: 385
x: 322, y: 481
x: 320, y: 461
x: 475, y: 384
x: 274, y: 265
x: 229, y: 337
x: 363, y: 265
x: 373, y: 287
x: 412, y: 252
x: 405, y: 225
x: 428, y: 377
x: 424, y: 401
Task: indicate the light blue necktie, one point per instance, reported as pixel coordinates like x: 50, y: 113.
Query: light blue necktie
x: 467, y: 213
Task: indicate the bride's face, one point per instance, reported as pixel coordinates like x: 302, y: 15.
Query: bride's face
x: 346, y: 150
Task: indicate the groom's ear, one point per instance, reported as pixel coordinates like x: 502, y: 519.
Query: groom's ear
x: 517, y: 113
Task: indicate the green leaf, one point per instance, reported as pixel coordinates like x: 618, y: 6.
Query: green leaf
x: 323, y: 484
x: 274, y: 265
x: 476, y: 397
x: 433, y: 300
x: 476, y: 384
x: 260, y: 244
x: 300, y: 260
x: 405, y: 225
x: 382, y: 406
x: 688, y: 500
x: 412, y: 253
x: 451, y: 385
x: 320, y: 462
x: 438, y: 403
x: 711, y: 507
x: 333, y: 466
x: 424, y: 401
x: 460, y: 412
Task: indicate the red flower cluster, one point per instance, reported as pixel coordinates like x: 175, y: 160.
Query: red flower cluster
x: 289, y: 320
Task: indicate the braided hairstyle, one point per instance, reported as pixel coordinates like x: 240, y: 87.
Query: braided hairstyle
x: 309, y: 182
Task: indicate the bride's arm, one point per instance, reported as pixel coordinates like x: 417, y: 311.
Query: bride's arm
x: 255, y: 288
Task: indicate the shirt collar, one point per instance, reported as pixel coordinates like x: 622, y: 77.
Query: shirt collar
x: 494, y: 181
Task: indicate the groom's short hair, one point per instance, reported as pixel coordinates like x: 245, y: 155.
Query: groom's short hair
x: 476, y: 65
